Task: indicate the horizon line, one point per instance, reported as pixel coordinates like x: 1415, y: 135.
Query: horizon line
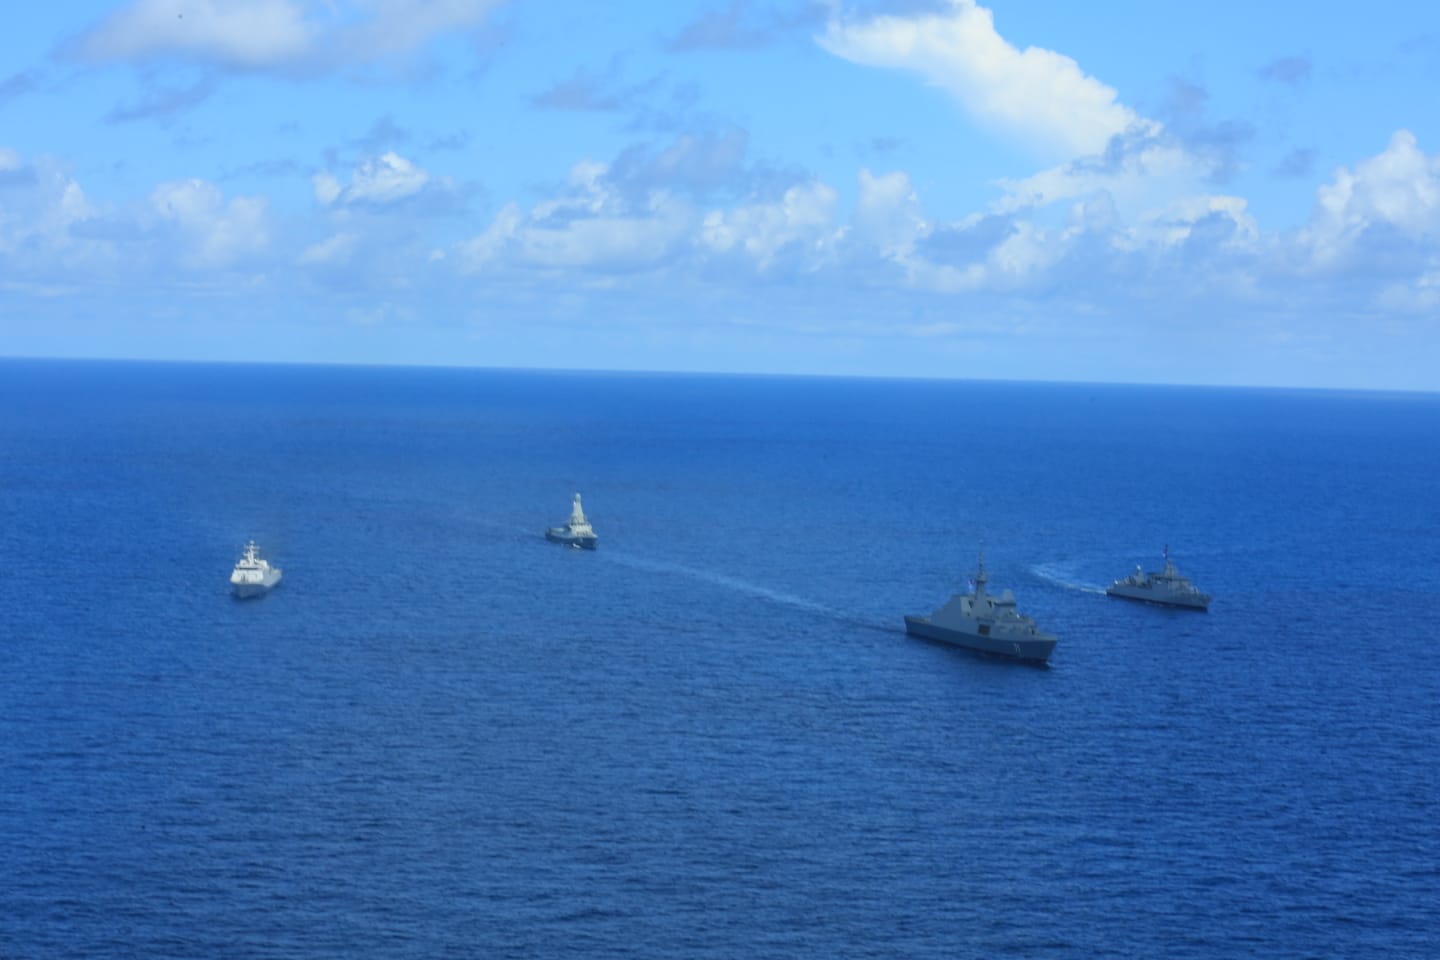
x: 770, y: 374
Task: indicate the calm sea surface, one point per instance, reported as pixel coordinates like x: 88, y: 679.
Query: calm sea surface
x: 443, y: 737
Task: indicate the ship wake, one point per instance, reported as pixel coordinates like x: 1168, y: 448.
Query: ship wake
x: 740, y: 586
x: 1054, y: 573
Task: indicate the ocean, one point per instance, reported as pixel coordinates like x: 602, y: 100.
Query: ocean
x: 442, y: 736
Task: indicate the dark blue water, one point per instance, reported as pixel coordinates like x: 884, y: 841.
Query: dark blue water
x: 443, y: 737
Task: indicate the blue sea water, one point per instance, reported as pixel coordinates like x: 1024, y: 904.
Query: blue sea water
x: 443, y: 737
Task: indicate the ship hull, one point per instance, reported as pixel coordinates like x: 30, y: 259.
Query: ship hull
x: 1184, y: 603
x: 584, y: 543
x: 1028, y: 649
x: 244, y: 590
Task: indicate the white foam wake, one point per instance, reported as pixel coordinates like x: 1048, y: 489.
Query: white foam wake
x: 745, y: 587
x: 1062, y: 577
x: 724, y: 580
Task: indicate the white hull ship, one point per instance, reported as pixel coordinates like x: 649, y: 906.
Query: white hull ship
x: 253, y: 576
x: 575, y: 533
x: 977, y: 621
x: 1164, y: 587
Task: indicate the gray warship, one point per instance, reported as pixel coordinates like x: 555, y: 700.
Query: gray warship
x: 1165, y: 587
x: 980, y: 622
x: 577, y: 532
x: 253, y: 576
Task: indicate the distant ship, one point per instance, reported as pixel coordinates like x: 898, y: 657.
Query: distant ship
x: 1166, y: 587
x: 253, y: 576
x: 577, y: 532
x: 978, y: 621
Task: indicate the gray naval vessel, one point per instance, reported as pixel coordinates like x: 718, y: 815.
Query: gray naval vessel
x: 253, y: 576
x: 978, y: 621
x: 1165, y: 587
x: 577, y: 532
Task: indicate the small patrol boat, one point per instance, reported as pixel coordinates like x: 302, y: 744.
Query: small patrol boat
x: 977, y: 621
x: 253, y: 576
x: 1165, y: 587
x: 577, y: 532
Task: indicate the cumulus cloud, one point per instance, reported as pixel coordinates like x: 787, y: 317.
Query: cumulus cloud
x: 590, y: 225
x: 976, y: 253
x: 380, y: 181
x: 1038, y: 95
x: 44, y: 218
x: 386, y: 179
x: 802, y: 221
x: 692, y: 204
x: 1222, y: 220
x: 1395, y: 193
x: 1136, y: 167
x: 888, y: 215
x: 217, y: 232
x: 1138, y: 173
x: 275, y: 34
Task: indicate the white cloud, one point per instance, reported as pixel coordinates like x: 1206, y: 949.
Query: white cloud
x: 277, y: 34
x: 39, y: 216
x: 327, y: 187
x: 1176, y: 223
x: 334, y: 249
x: 887, y: 214
x: 1398, y: 188
x: 217, y: 233
x: 890, y: 223
x: 803, y: 219
x: 590, y: 226
x: 1038, y: 95
x: 235, y: 33
x: 1151, y: 188
x: 1145, y: 175
x: 377, y: 181
x: 490, y: 247
x: 384, y: 180
x: 640, y: 239
x: 1028, y: 251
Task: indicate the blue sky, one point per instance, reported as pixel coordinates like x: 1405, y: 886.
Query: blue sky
x: 1226, y: 193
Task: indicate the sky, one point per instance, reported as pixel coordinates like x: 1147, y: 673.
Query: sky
x: 1221, y: 193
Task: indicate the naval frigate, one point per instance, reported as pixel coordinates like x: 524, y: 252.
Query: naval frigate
x: 978, y: 621
x: 1165, y: 587
x: 253, y: 576
x: 576, y: 532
